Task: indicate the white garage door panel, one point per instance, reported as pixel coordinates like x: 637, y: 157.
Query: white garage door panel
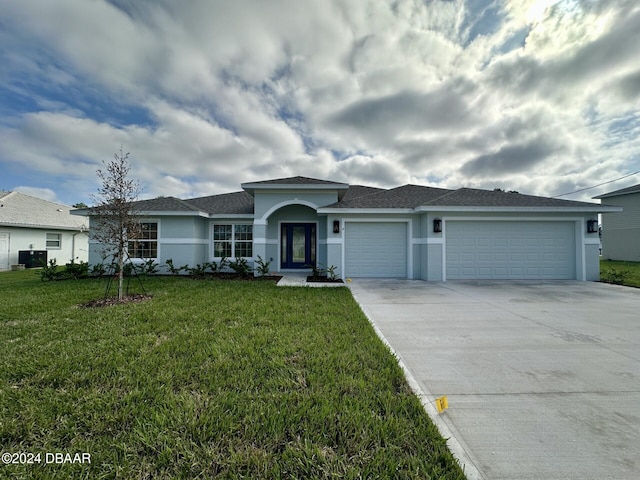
x: 376, y: 249
x: 510, y: 250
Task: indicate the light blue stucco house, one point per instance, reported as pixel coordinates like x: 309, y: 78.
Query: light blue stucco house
x: 411, y: 231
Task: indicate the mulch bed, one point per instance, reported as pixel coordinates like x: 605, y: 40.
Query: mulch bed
x: 106, y: 302
x: 320, y: 279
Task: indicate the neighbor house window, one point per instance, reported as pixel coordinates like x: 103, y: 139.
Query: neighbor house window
x: 146, y: 246
x: 233, y: 240
x: 54, y: 241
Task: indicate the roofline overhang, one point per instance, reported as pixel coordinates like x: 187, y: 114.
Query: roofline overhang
x: 387, y: 211
x: 151, y: 213
x: 79, y: 228
x: 586, y: 209
x: 424, y: 209
x: 614, y: 194
x: 231, y: 216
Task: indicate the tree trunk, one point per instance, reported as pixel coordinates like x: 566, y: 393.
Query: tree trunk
x: 121, y: 273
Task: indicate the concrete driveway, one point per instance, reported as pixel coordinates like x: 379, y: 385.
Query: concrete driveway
x: 542, y: 378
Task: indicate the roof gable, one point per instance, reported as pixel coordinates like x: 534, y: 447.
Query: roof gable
x: 22, y: 210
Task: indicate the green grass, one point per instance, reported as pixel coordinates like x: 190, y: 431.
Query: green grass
x: 225, y: 379
x: 623, y: 273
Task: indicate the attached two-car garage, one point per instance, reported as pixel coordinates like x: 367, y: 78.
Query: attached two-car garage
x: 536, y: 250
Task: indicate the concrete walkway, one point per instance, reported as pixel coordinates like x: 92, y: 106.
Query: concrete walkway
x: 543, y: 379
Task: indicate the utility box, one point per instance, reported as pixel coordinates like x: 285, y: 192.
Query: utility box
x: 32, y: 258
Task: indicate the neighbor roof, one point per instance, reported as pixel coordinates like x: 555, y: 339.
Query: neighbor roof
x: 622, y: 191
x: 22, y: 210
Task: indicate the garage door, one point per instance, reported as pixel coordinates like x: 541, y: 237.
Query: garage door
x: 510, y: 250
x: 376, y: 249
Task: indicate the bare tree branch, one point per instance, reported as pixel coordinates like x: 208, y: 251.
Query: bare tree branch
x: 114, y: 217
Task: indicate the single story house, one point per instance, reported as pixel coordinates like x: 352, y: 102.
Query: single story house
x: 33, y: 229
x: 411, y: 231
x: 621, y: 229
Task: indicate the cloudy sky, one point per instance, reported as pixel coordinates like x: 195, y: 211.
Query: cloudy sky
x: 539, y: 96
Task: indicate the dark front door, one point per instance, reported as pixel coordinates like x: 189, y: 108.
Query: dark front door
x: 298, y: 245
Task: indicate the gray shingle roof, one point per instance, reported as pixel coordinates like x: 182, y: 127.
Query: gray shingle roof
x: 622, y: 191
x: 295, y: 181
x: 407, y: 196
x: 227, y: 203
x: 361, y: 197
x: 471, y: 197
x: 164, y: 204
x: 21, y: 210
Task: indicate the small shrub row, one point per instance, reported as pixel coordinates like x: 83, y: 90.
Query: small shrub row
x: 72, y: 270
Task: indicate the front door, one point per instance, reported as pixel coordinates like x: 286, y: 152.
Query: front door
x: 297, y: 245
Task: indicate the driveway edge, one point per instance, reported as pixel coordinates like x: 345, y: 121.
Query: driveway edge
x: 427, y: 400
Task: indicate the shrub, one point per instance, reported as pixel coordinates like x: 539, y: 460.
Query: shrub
x: 148, y: 267
x: 50, y: 271
x: 97, y: 270
x: 262, y: 267
x: 240, y: 266
x: 173, y: 269
x: 76, y: 270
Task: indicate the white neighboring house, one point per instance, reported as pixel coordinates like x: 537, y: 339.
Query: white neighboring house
x: 33, y: 225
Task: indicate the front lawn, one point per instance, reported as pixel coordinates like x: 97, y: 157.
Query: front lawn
x: 226, y: 379
x: 622, y: 273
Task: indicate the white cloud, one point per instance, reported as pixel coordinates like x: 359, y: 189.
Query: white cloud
x: 536, y: 94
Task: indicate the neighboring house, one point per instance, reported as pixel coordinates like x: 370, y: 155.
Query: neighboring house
x: 39, y: 229
x: 621, y: 230
x: 410, y: 231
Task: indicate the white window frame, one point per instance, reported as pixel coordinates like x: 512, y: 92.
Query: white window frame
x: 232, y: 240
x: 58, y: 240
x: 156, y: 240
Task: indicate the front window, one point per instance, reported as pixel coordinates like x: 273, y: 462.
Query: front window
x: 146, y: 246
x: 233, y: 240
x: 54, y: 241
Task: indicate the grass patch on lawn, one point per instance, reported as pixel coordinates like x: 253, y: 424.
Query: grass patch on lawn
x: 225, y: 379
x: 620, y: 272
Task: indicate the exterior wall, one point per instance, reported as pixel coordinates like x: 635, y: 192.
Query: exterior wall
x: 621, y: 230
x: 268, y: 202
x: 185, y: 240
x: 72, y: 244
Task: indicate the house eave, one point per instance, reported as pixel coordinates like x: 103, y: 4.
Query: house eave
x: 539, y: 209
x: 78, y: 228
x: 382, y: 211
x: 231, y: 215
x: 428, y: 208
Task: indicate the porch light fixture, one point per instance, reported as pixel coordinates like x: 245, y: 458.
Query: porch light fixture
x: 437, y: 225
x: 336, y: 226
x: 592, y: 226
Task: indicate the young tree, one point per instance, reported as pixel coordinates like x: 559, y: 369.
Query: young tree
x: 113, y: 216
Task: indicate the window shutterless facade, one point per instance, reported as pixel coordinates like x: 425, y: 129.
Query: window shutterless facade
x: 147, y: 245
x: 233, y: 240
x: 54, y: 241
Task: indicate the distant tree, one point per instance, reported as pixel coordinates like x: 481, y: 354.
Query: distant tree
x: 113, y: 215
x: 505, y: 191
x: 80, y: 205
